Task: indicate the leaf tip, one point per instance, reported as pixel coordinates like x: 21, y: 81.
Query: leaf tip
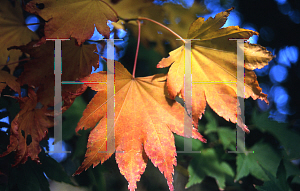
x: 245, y: 128
x: 78, y: 171
x: 228, y: 10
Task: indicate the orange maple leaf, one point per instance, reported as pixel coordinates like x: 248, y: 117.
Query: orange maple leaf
x: 77, y: 62
x: 144, y: 121
x: 214, y: 68
x: 73, y: 18
x: 32, y: 121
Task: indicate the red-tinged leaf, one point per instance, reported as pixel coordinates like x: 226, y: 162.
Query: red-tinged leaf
x: 214, y: 68
x: 145, y: 118
x: 77, y: 62
x: 30, y: 121
x: 73, y: 18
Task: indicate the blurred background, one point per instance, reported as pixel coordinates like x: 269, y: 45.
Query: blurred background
x: 278, y: 24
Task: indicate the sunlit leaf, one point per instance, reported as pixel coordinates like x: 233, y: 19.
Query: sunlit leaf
x: 73, y: 18
x: 214, y: 68
x: 144, y: 121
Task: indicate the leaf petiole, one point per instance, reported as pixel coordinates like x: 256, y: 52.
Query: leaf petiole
x: 170, y: 30
x: 25, y: 59
x: 33, y: 24
x: 158, y: 23
x: 137, y: 48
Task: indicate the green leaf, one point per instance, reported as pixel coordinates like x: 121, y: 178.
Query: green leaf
x: 98, y: 178
x: 197, y: 145
x: 71, y: 117
x: 275, y: 183
x: 281, y: 176
x: 212, y: 124
x: 29, y: 177
x: 53, y: 169
x: 81, y: 143
x: 288, y: 139
x: 227, y: 137
x: 264, y: 156
x: 25, y: 177
x: 207, y: 164
x: 247, y: 164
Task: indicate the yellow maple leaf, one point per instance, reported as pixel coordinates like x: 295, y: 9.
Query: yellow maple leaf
x: 13, y: 32
x: 172, y: 15
x: 74, y: 18
x: 214, y: 68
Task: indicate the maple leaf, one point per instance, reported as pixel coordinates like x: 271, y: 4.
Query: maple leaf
x: 10, y: 80
x: 133, y: 8
x: 172, y: 15
x: 73, y: 18
x: 214, y: 60
x: 77, y: 62
x: 13, y: 32
x: 144, y: 121
x: 30, y: 121
x: 205, y: 164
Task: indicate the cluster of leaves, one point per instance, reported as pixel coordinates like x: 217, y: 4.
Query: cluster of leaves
x: 146, y: 112
x: 263, y: 164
